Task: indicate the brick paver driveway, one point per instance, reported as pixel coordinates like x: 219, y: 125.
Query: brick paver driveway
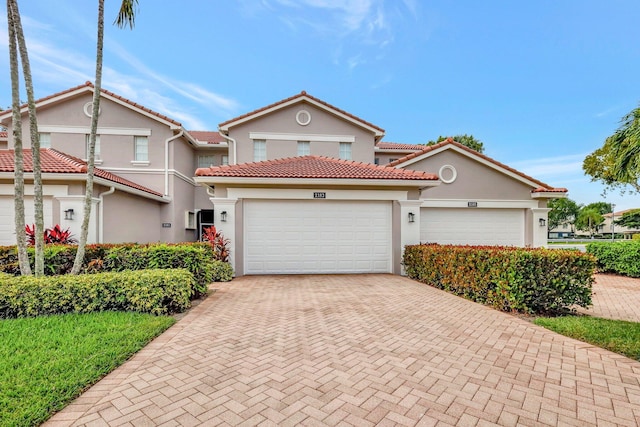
x: 359, y: 350
x: 615, y: 297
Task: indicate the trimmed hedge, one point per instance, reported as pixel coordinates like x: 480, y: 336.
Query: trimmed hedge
x: 195, y: 257
x: 509, y: 279
x: 617, y: 257
x: 149, y: 291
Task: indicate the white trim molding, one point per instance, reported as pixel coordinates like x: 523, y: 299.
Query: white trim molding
x: 479, y: 204
x: 308, y: 194
x: 101, y: 130
x: 301, y: 137
x: 454, y: 174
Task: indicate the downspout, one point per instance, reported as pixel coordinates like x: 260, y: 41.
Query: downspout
x: 166, y: 160
x: 235, y: 149
x: 101, y: 197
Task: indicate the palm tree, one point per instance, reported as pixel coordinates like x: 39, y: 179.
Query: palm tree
x: 625, y: 145
x: 18, y: 34
x: 23, y: 257
x: 126, y: 16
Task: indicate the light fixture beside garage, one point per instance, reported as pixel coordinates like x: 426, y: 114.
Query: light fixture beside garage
x: 543, y: 222
x: 68, y: 215
x: 412, y: 217
x: 223, y: 216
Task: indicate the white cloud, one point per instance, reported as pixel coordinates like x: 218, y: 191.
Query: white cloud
x: 550, y: 167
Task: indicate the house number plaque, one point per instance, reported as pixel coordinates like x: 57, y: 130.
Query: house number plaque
x: 319, y: 195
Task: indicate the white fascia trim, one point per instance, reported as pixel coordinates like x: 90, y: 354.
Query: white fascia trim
x: 307, y: 194
x: 297, y: 100
x: 301, y: 137
x: 199, y: 144
x: 548, y: 195
x: 317, y: 182
x: 482, y: 204
x: 127, y: 189
x: 151, y: 172
x: 83, y: 178
x: 394, y: 150
x: 55, y: 190
x: 101, y: 130
x: 472, y: 156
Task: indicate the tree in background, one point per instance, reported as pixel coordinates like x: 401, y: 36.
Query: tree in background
x: 466, y: 140
x: 617, y: 163
x: 629, y: 219
x: 602, y: 207
x: 589, y: 219
x: 126, y: 16
x: 563, y: 211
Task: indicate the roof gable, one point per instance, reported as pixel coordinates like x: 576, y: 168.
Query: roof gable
x: 89, y: 87
x: 56, y: 162
x: 314, y: 167
x: 450, y: 144
x: 296, y: 99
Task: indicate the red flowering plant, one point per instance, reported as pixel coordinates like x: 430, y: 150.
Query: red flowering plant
x: 218, y: 242
x: 51, y: 235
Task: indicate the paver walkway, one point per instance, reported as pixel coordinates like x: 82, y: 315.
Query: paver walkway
x: 359, y: 350
x: 615, y: 297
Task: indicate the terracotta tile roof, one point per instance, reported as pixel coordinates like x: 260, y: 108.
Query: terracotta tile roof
x: 302, y: 95
x: 54, y: 161
x: 543, y: 187
x: 313, y: 167
x: 210, y: 137
x: 620, y: 213
x: 398, y: 146
x: 106, y: 92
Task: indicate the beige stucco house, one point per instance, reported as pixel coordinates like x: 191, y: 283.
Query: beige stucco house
x: 299, y: 186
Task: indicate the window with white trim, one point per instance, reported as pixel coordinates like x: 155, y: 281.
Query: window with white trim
x: 206, y: 161
x: 45, y: 140
x: 259, y: 150
x: 86, y: 144
x: 141, y: 148
x: 225, y: 160
x: 304, y: 148
x: 345, y: 150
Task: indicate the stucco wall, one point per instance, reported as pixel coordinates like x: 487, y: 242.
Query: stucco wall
x: 474, y: 180
x: 128, y: 218
x: 284, y: 121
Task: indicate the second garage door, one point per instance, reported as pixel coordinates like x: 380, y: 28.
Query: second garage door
x: 457, y: 226
x: 319, y: 236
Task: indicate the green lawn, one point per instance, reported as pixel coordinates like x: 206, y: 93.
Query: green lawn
x: 45, y: 362
x: 615, y: 335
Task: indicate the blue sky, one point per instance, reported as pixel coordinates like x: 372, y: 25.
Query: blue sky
x: 541, y: 83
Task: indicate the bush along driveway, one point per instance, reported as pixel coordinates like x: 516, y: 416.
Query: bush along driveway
x: 363, y: 350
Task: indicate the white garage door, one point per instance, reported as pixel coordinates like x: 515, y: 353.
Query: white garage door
x: 319, y: 236
x: 7, y: 225
x: 472, y: 226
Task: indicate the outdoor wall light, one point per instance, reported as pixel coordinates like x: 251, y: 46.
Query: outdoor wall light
x: 542, y: 222
x: 412, y: 217
x: 68, y: 214
x: 223, y: 216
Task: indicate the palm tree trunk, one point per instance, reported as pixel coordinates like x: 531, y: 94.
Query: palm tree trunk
x: 21, y: 238
x: 126, y: 15
x: 91, y: 156
x: 35, y: 141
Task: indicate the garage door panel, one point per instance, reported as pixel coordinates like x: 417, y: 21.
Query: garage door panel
x: 472, y: 226
x: 317, y: 236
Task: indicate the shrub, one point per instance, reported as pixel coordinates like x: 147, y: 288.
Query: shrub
x: 51, y: 235
x: 195, y: 257
x: 617, y: 257
x: 509, y: 279
x: 150, y: 291
x: 218, y: 242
